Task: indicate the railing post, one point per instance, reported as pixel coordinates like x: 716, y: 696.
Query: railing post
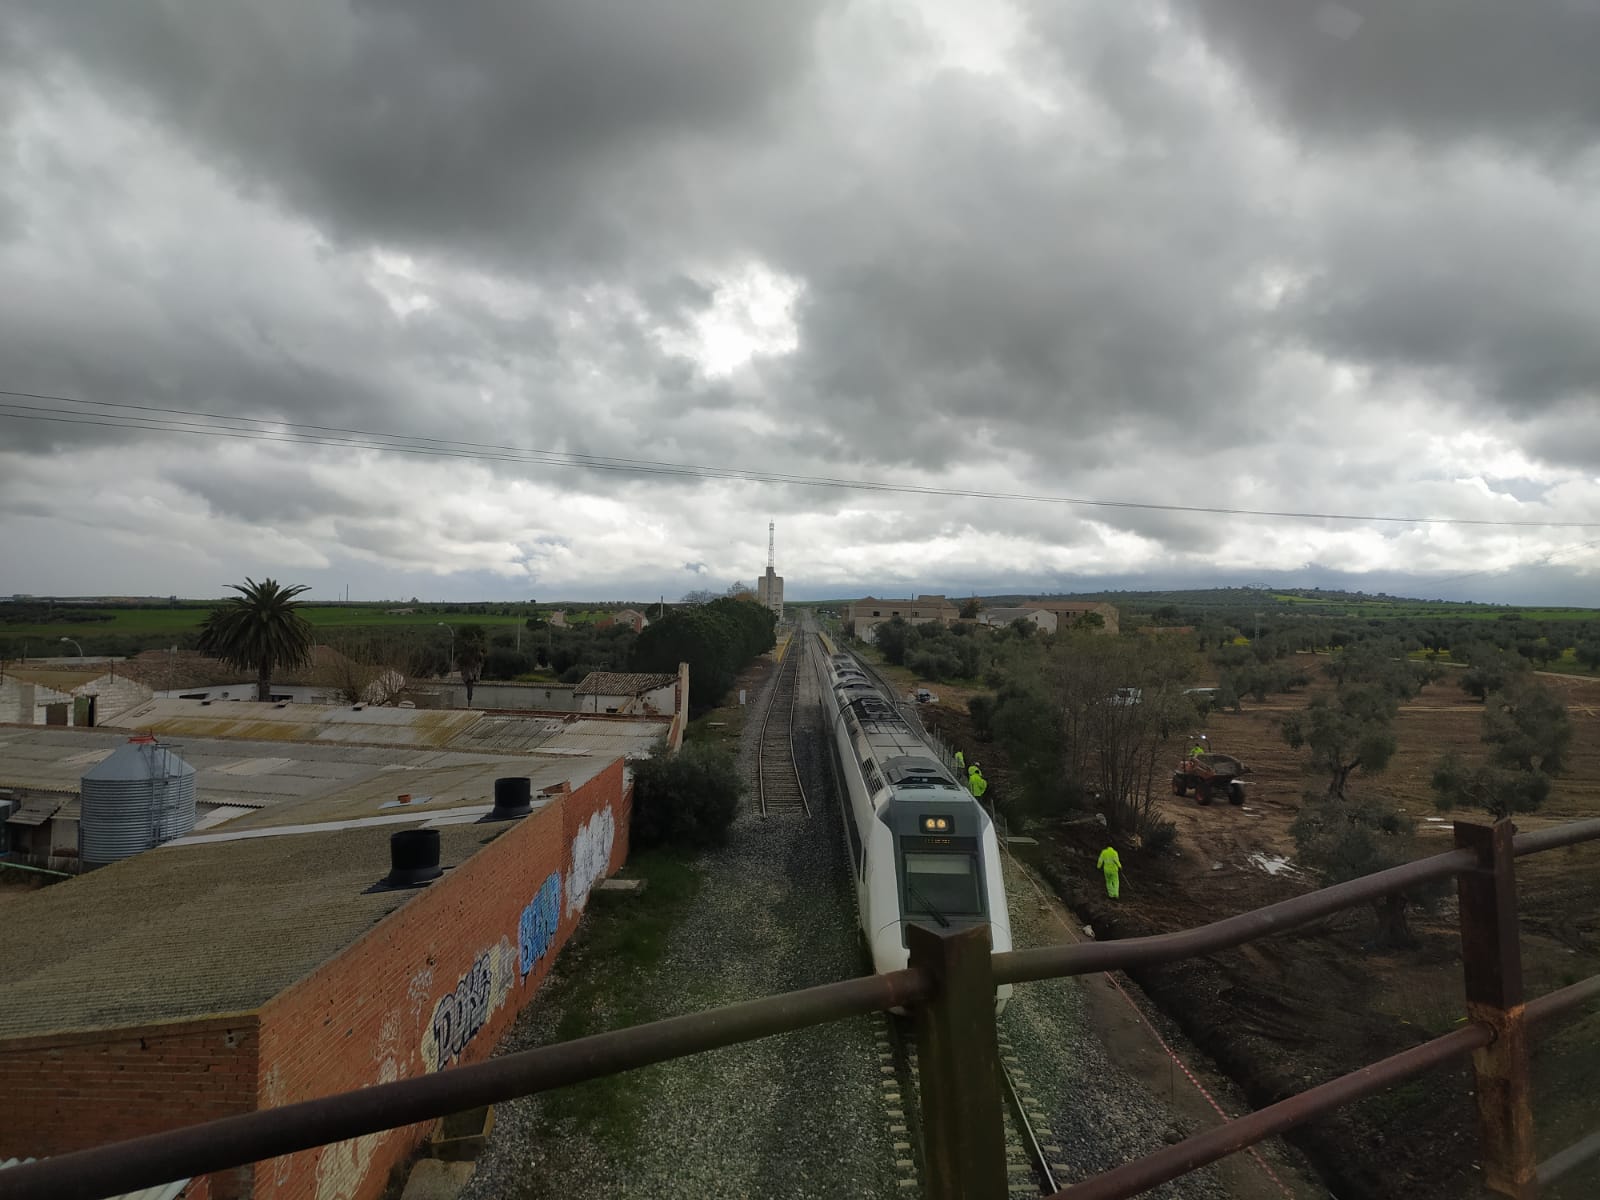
x: 1491, y: 958
x: 963, y: 1125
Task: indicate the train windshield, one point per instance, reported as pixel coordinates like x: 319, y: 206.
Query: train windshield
x: 943, y: 885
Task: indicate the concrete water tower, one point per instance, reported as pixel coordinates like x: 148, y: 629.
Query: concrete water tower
x: 769, y: 588
x: 139, y: 797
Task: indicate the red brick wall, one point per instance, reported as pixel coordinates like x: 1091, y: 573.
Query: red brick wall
x: 435, y: 984
x: 70, y: 1092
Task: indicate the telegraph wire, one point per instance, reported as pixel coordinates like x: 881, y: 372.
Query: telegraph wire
x: 283, y: 432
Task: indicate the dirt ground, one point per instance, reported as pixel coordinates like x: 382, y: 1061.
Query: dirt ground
x: 1288, y: 1012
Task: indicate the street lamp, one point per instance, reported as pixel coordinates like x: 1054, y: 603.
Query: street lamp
x: 452, y: 632
x: 76, y: 647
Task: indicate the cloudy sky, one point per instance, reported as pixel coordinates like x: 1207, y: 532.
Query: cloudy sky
x: 341, y: 292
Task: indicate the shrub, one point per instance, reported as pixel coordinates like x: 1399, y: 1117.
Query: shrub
x: 1159, y: 836
x: 687, y: 800
x: 981, y: 709
x: 506, y: 663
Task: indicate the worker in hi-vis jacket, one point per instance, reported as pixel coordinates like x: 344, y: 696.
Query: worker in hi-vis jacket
x: 976, y: 783
x: 961, y: 761
x: 1111, y: 864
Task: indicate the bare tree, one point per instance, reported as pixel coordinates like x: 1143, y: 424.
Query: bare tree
x: 363, y: 673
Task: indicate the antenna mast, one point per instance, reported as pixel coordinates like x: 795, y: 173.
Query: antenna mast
x: 771, y: 561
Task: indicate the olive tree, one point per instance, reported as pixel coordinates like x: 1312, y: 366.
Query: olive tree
x: 1528, y: 733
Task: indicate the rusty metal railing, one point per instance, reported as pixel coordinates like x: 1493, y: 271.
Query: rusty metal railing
x: 947, y: 988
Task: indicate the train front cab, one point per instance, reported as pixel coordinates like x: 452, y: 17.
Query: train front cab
x: 941, y: 852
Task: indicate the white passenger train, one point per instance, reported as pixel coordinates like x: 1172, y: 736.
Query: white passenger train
x: 922, y: 849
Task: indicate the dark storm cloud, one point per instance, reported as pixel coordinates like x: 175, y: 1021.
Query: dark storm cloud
x: 1519, y: 74
x: 1003, y: 280
x: 283, y: 487
x: 1482, y: 280
x: 487, y: 127
x: 1081, y: 269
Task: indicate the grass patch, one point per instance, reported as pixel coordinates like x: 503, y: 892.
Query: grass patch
x: 721, y: 727
x: 606, y: 983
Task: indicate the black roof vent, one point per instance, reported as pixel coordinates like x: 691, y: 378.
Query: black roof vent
x: 513, y: 798
x: 413, y: 860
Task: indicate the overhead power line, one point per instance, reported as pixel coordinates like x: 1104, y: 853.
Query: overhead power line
x: 275, y: 430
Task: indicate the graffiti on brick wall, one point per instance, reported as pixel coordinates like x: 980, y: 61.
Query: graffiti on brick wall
x: 538, y: 924
x: 591, y: 857
x: 478, y: 994
x: 342, y: 1167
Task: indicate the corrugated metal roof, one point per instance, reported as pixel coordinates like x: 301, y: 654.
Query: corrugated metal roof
x: 35, y: 811
x: 165, y: 1191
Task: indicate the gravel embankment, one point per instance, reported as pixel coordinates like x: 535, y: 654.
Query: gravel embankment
x: 792, y: 1116
x: 1099, y: 1116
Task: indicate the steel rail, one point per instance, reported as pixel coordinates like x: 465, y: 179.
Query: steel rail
x: 250, y: 1137
x: 1030, y: 1143
x: 1154, y: 1169
x: 761, y: 738
x: 1563, y: 1000
x: 787, y: 680
x: 794, y: 703
x: 1142, y: 1174
x: 1575, y: 1155
x: 1555, y: 837
x: 1048, y: 962
x: 254, y: 1136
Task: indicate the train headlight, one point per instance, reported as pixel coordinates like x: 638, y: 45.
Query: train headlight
x: 935, y: 824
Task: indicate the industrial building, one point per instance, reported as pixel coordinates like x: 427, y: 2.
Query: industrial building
x: 769, y: 588
x: 863, y: 615
x: 340, y: 896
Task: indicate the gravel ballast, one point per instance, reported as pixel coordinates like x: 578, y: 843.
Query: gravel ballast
x: 793, y: 1115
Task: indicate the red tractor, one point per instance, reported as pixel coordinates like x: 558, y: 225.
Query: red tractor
x: 1209, y: 775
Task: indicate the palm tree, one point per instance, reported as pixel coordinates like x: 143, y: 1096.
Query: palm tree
x: 472, y: 647
x: 259, y: 630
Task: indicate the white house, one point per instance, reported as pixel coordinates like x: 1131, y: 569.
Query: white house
x: 1044, y: 621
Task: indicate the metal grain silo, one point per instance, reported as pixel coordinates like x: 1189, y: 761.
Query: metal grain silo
x: 139, y: 797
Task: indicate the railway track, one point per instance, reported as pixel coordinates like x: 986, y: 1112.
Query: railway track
x: 778, y: 786
x: 1033, y: 1163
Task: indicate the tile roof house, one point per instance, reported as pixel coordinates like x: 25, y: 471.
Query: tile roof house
x: 627, y: 692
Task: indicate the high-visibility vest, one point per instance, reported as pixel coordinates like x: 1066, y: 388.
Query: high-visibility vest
x: 1109, y: 860
x: 961, y: 759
